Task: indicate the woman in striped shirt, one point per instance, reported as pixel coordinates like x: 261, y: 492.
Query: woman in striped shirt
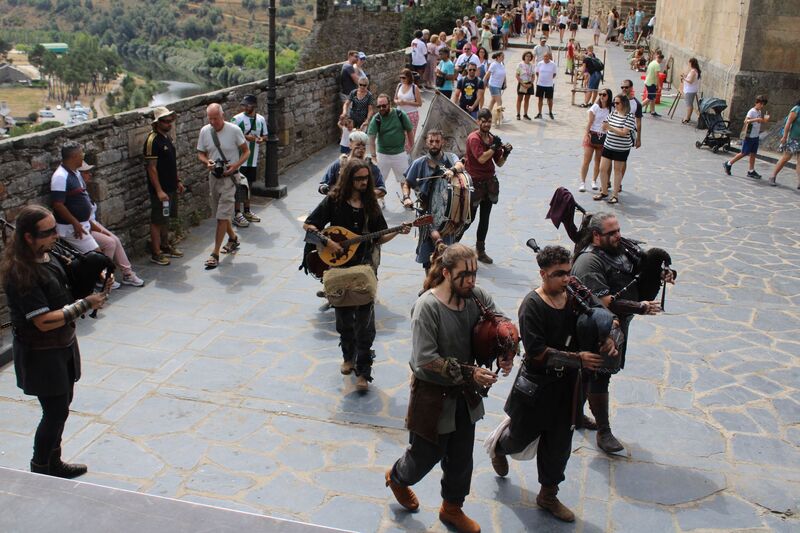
x: 620, y: 127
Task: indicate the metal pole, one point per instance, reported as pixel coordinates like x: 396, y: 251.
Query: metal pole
x: 272, y: 188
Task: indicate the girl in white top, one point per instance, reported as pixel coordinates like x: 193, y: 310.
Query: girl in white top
x: 496, y: 79
x: 691, y: 85
x: 407, y: 98
x: 525, y: 82
x: 594, y: 137
x: 563, y: 20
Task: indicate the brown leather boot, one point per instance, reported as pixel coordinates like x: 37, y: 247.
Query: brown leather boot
x: 59, y: 468
x: 547, y: 500
x: 451, y: 513
x: 584, y: 422
x: 404, y: 495
x: 480, y: 246
x: 500, y: 464
x: 347, y: 367
x: 606, y: 440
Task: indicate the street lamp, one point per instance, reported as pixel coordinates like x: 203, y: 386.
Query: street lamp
x: 271, y: 188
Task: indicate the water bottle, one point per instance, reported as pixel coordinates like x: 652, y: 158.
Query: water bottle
x: 165, y: 210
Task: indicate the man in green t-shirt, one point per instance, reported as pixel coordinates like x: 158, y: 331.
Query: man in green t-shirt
x: 390, y: 128
x: 651, y: 83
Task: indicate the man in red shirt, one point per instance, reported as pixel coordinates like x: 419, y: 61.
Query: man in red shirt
x: 484, y: 151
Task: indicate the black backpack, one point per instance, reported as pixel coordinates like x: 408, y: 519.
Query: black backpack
x: 594, y: 65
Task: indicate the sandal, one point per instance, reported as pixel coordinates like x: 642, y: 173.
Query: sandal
x: 212, y: 262
x: 613, y: 200
x: 599, y: 196
x: 684, y: 121
x: 231, y: 246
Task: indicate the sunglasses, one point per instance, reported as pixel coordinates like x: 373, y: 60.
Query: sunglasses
x: 603, y: 96
x: 617, y: 102
x: 167, y: 120
x: 383, y: 106
x: 361, y: 177
x: 46, y: 233
x: 623, y: 87
x: 362, y: 85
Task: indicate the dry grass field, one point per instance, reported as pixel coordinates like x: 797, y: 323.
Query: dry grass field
x: 23, y: 100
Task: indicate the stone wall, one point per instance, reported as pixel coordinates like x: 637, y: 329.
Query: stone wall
x: 744, y: 47
x: 308, y: 108
x: 377, y: 33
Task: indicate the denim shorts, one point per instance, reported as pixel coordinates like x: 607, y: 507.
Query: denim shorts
x: 594, y: 81
x: 495, y: 91
x: 750, y: 145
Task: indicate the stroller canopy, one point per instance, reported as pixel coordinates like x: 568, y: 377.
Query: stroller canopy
x: 711, y: 104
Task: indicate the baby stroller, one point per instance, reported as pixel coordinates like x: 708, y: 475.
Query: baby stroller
x: 719, y: 131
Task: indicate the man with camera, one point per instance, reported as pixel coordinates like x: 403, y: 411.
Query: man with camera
x: 484, y: 151
x: 222, y: 148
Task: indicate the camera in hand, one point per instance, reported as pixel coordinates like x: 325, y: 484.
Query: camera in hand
x: 497, y: 143
x: 219, y: 168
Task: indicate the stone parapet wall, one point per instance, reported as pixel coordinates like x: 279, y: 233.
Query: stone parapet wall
x: 308, y: 108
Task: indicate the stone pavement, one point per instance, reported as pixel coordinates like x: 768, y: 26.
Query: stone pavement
x: 223, y: 387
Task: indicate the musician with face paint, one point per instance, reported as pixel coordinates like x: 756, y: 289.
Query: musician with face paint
x: 446, y: 387
x: 544, y: 400
x: 420, y: 176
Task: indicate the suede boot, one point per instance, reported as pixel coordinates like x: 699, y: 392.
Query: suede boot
x: 606, y: 440
x: 40, y: 469
x: 404, y: 495
x: 480, y: 246
x: 58, y: 468
x: 547, y: 500
x: 500, y: 464
x: 451, y: 513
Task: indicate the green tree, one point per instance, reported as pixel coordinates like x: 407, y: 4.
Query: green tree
x: 5, y: 48
x: 437, y: 16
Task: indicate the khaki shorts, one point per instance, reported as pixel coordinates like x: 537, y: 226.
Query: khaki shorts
x: 221, y: 193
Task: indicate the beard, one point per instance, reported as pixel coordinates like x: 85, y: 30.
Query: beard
x: 434, y: 152
x: 459, y: 293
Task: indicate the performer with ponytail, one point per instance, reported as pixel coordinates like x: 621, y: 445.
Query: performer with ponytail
x: 602, y: 264
x: 43, y: 312
x: 447, y: 387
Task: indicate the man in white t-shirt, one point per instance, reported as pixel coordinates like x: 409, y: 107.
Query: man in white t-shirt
x: 463, y: 59
x: 223, y: 174
x: 545, y: 80
x: 419, y: 53
x: 541, y: 49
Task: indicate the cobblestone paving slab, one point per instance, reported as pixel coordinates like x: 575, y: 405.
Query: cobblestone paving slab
x: 223, y: 387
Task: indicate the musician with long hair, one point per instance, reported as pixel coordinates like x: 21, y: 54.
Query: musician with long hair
x: 446, y: 387
x: 603, y: 265
x: 43, y: 312
x: 544, y: 401
x: 352, y: 204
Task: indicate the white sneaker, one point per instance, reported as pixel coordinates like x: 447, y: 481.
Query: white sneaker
x: 240, y: 221
x: 594, y: 185
x: 582, y: 188
x: 132, y: 279
x: 116, y: 285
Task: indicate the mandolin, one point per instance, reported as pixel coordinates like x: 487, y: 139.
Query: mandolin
x: 350, y: 241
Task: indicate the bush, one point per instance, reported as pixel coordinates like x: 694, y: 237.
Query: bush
x: 438, y: 16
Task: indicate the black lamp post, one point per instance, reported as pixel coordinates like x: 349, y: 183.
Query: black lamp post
x: 271, y: 188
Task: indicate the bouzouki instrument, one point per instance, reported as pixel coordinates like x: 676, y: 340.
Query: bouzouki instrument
x: 323, y: 258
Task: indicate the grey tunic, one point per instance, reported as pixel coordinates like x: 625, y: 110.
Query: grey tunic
x: 438, y: 331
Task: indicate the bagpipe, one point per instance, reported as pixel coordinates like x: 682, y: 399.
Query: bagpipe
x: 650, y: 266
x: 494, y: 337
x: 595, y: 323
x: 85, y: 271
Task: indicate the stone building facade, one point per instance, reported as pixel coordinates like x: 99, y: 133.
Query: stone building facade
x: 377, y: 33
x: 744, y: 48
x: 308, y: 109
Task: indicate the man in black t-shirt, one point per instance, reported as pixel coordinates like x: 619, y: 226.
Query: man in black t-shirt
x: 550, y: 371
x: 163, y: 184
x: 352, y: 205
x: 349, y: 76
x: 469, y: 91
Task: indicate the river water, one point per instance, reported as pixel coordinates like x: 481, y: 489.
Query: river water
x: 175, y: 91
